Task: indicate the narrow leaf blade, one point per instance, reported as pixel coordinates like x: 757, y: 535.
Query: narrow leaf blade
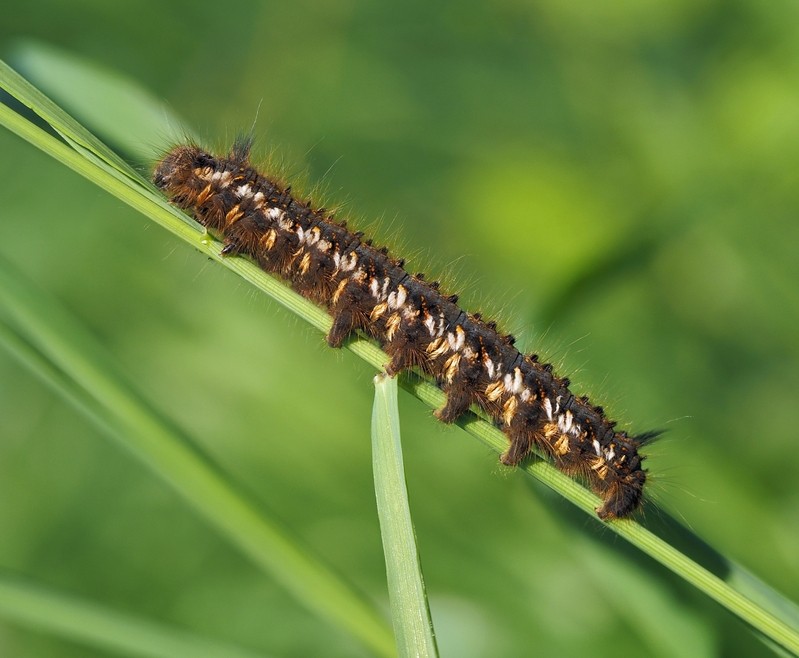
x: 410, y: 612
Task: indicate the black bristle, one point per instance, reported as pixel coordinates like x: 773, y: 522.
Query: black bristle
x: 242, y: 146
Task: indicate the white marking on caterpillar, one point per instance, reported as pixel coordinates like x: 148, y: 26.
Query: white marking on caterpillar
x: 548, y: 408
x: 442, y: 326
x: 430, y: 323
x: 461, y: 337
x: 565, y: 422
x: 402, y: 295
x: 457, y: 339
x: 222, y: 178
x: 350, y: 262
x: 513, y: 383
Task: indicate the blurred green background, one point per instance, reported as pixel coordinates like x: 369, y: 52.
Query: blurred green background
x: 615, y: 181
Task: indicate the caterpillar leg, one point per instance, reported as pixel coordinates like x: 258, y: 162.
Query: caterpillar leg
x: 343, y: 326
x: 623, y: 497
x: 348, y: 313
x: 519, y: 448
x: 459, y: 399
x: 400, y: 356
x: 406, y: 350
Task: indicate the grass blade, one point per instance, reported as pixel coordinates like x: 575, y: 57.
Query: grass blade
x: 58, y: 119
x: 76, y: 619
x: 413, y: 626
x: 61, y: 350
x: 118, y: 108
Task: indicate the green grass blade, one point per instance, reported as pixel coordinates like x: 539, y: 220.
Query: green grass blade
x: 76, y: 619
x: 768, y: 618
x: 60, y: 349
x: 44, y: 369
x: 119, y: 109
x: 139, y: 194
x: 774, y: 617
x: 58, y: 119
x: 413, y: 626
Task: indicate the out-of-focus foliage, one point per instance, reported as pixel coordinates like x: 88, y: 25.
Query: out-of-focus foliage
x: 616, y: 181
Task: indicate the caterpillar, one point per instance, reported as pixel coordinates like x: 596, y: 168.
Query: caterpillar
x: 365, y: 288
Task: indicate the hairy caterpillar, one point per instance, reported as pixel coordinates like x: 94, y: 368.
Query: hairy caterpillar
x: 364, y: 288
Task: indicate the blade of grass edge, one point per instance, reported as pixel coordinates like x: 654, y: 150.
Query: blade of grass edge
x: 115, y: 105
x: 98, y: 386
x: 60, y: 120
x: 410, y: 612
x: 140, y: 195
x: 770, y: 620
x: 45, y: 610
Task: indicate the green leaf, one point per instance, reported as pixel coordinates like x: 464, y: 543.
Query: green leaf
x: 119, y: 109
x: 410, y: 613
x: 57, y: 118
x: 42, y: 334
x: 48, y: 611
